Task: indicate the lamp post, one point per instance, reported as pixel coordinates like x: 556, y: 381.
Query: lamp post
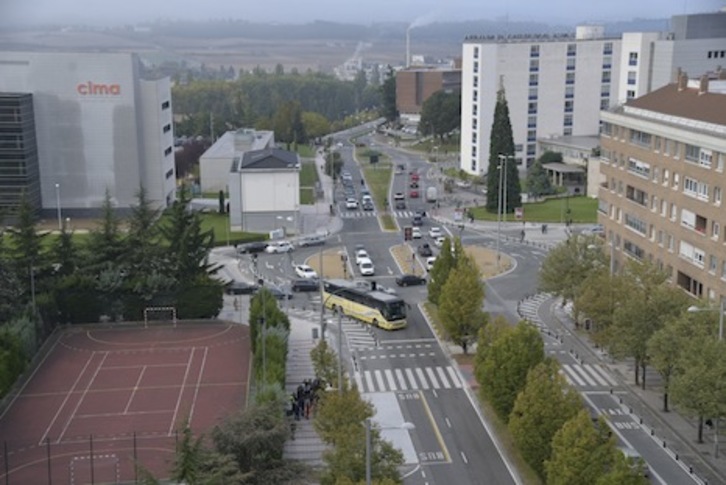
x: 324, y: 325
x: 369, y: 446
x: 721, y: 309
x: 58, y: 206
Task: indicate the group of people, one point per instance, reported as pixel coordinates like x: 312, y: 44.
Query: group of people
x: 304, y: 399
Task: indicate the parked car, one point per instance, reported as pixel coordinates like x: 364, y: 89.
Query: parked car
x: 304, y: 285
x: 594, y: 230
x: 413, y: 184
x: 410, y: 280
x: 435, y: 232
x: 366, y: 267
x: 425, y: 251
x: 317, y: 240
x: 430, y: 261
x: 416, y: 233
x: 240, y: 288
x: 361, y: 254
x: 413, y: 194
x: 278, y: 247
x: 253, y: 247
x: 305, y: 271
x: 351, y: 203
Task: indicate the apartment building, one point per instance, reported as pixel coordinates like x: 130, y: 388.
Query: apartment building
x: 662, y: 159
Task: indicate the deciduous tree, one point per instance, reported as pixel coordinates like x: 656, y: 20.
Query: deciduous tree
x: 538, y: 182
x: 445, y: 262
x: 440, y: 114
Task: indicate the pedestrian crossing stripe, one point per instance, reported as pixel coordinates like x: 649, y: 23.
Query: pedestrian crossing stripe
x: 361, y: 214
x: 587, y: 375
x: 383, y: 380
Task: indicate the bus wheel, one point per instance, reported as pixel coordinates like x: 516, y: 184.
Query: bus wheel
x: 375, y: 323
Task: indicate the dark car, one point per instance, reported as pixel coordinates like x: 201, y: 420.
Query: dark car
x: 368, y: 205
x: 308, y: 284
x: 253, y: 247
x: 425, y: 251
x: 410, y: 280
x: 413, y: 184
x: 400, y: 204
x: 279, y: 293
x: 417, y: 221
x: 240, y: 288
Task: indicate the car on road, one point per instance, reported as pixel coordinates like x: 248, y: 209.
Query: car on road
x: 366, y: 267
x: 361, y: 254
x: 279, y: 293
x: 399, y: 200
x: 316, y: 240
x: 400, y: 205
x: 410, y: 280
x: 413, y: 194
x: 351, y: 203
x: 416, y: 233
x: 414, y: 175
x: 305, y: 271
x: 279, y: 247
x: 368, y: 205
x: 417, y: 221
x: 430, y: 261
x: 435, y: 232
x: 240, y: 288
x: 252, y: 248
x: 439, y: 241
x: 594, y: 230
x: 413, y: 184
x: 303, y: 284
x: 425, y: 251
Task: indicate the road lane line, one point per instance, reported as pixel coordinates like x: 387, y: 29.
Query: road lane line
x: 435, y: 427
x: 422, y: 378
x: 463, y: 456
x: 401, y: 380
x: 432, y: 377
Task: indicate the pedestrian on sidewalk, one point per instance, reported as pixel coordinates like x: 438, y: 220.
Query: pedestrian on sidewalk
x: 521, y: 236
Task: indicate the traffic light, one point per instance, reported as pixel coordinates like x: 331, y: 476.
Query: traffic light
x: 408, y: 233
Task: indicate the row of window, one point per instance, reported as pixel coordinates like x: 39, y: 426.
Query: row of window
x: 691, y: 187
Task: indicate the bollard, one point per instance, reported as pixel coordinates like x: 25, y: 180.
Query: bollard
x: 620, y: 400
x: 664, y: 444
x: 652, y: 432
x: 676, y: 457
x: 640, y: 421
x: 611, y: 390
x: 630, y: 410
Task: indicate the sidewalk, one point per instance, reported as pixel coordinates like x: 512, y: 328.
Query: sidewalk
x: 675, y: 431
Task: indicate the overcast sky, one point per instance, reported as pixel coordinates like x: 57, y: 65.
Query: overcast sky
x: 114, y: 12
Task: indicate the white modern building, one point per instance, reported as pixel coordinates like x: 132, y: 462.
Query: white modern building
x: 216, y: 162
x: 98, y: 126
x: 556, y: 85
x: 264, y: 191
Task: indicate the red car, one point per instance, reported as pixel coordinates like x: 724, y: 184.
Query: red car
x: 414, y: 176
x: 413, y: 194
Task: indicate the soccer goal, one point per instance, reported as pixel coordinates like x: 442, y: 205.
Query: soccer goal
x: 159, y: 315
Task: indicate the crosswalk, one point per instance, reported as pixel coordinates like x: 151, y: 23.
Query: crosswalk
x: 528, y: 308
x: 358, y: 335
x: 588, y: 375
x: 348, y: 214
x: 408, y: 379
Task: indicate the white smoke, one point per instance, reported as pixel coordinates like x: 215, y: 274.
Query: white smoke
x: 423, y: 20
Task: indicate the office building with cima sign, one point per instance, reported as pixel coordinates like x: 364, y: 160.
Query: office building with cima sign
x: 73, y: 125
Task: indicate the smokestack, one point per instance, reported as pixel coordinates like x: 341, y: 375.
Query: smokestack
x: 408, y: 47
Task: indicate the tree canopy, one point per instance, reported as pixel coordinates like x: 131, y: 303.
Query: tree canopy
x: 441, y: 114
x: 502, y: 144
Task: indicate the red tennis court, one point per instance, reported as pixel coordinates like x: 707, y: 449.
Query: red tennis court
x: 103, y: 399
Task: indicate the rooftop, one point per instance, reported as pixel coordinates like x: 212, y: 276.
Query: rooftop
x: 269, y: 158
x: 228, y: 145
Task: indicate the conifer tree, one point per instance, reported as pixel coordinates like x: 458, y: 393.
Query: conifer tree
x: 502, y: 143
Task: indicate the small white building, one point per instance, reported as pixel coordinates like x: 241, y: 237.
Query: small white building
x: 215, y: 163
x: 264, y: 191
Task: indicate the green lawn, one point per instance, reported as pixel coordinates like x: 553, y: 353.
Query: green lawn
x: 219, y: 224
x: 378, y: 178
x: 388, y: 222
x: 582, y: 210
x: 450, y: 146
x: 308, y: 181
x: 306, y: 151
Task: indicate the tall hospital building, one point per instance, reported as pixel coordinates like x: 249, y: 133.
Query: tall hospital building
x: 74, y: 125
x: 557, y: 84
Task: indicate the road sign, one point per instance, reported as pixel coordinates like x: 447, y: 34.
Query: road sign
x: 407, y: 233
x: 519, y: 213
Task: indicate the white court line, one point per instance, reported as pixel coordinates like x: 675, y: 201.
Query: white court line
x: 422, y: 378
x: 369, y: 381
x: 573, y: 375
x: 68, y: 395
x: 379, y: 380
x: 411, y: 378
x: 391, y: 381
x: 133, y: 391
x: 432, y: 376
x: 595, y: 374
x: 454, y: 378
x: 442, y: 376
x: 181, y: 390
x: 196, y: 388
x: 401, y: 380
x: 584, y: 375
x: 83, y: 396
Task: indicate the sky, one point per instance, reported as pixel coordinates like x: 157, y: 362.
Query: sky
x: 116, y: 12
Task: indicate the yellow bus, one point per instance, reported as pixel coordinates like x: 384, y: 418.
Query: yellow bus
x: 370, y: 306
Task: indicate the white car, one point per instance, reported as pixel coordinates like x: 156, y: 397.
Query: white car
x: 360, y: 255
x: 305, y: 271
x: 351, y: 203
x: 366, y: 267
x: 439, y: 241
x: 279, y: 247
x: 430, y: 263
x: 416, y: 233
x: 435, y: 232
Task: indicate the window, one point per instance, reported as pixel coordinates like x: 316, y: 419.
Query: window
x: 656, y: 174
x: 474, y: 123
x: 570, y: 78
x: 534, y: 51
x: 605, y: 77
x: 531, y: 149
x: 476, y: 51
x: 531, y: 135
x: 606, y: 129
x: 165, y: 105
x: 636, y: 224
x: 533, y: 65
x: 167, y: 128
x: 167, y: 152
x: 475, y: 95
x: 533, y: 93
x: 638, y: 196
x: 656, y: 144
x: 721, y: 161
x: 692, y: 153
x: 688, y: 219
x: 723, y: 270
x: 640, y: 138
x: 604, y: 104
x: 568, y: 120
x: 571, y: 64
x: 674, y: 212
x: 663, y: 207
x: 705, y: 158
x: 473, y: 137
x: 476, y: 81
x: 473, y: 152
x: 569, y: 106
x: 695, y: 188
x: 607, y: 48
x: 476, y: 66
x: 571, y: 50
x: 607, y: 62
x: 532, y: 108
x: 633, y: 59
x: 532, y: 121
x: 533, y: 79
x: 474, y: 110
x: 631, y: 78
x: 630, y: 94
x: 676, y: 180
x: 169, y: 173
x: 473, y: 164
x: 633, y: 249
x: 715, y: 230
x: 639, y: 168
x: 605, y: 91
x: 717, y: 195
x: 569, y: 92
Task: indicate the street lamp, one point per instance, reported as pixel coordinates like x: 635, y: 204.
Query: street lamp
x: 404, y: 425
x: 58, y: 206
x: 503, y: 159
x: 721, y: 309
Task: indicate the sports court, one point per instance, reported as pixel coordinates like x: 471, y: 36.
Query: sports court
x: 105, y: 398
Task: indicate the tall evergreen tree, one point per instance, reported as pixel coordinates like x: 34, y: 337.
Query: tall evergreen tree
x: 502, y: 143
x: 105, y: 244
x: 388, y: 93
